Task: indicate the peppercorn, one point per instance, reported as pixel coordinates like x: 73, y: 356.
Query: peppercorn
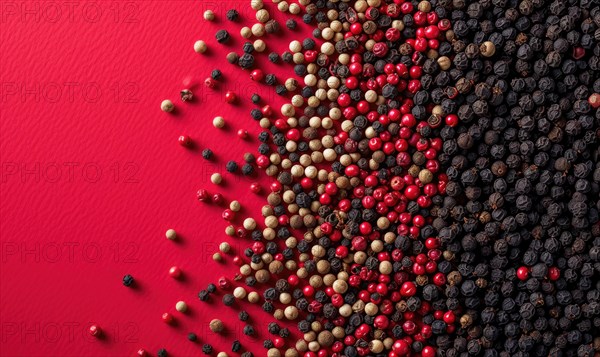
x: 128, y: 280
x: 243, y: 315
x: 162, y: 353
x: 192, y: 337
x: 232, y: 15
x: 231, y: 166
x: 291, y: 24
x: 236, y: 346
x: 246, y: 61
x: 203, y: 295
x: 216, y: 74
x: 228, y: 299
x: 222, y: 36
x: 249, y: 330
x: 207, y: 154
x: 232, y: 57
x: 207, y: 349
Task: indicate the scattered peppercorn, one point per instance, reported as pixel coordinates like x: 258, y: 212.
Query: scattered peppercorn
x: 222, y: 36
x: 231, y: 166
x: 128, y: 280
x: 232, y: 15
x: 236, y: 346
x: 207, y: 154
x: 207, y: 349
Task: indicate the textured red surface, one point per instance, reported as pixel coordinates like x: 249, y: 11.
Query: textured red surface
x: 92, y: 175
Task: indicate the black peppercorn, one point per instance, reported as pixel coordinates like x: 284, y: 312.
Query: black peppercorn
x: 207, y: 349
x: 231, y: 166
x: 216, y: 74
x: 232, y: 15
x: 203, y: 295
x: 128, y: 280
x: 228, y: 299
x: 222, y: 36
x: 249, y: 330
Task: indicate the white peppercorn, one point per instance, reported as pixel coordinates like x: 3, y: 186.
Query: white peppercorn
x: 216, y: 178
x: 200, y: 46
x: 218, y: 122
x: 209, y: 15
x: 171, y: 234
x: 167, y: 106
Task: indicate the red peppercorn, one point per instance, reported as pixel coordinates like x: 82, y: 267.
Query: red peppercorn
x: 242, y: 133
x: 451, y: 120
x: 262, y: 162
x: 95, y: 331
x: 167, y: 318
x: 428, y: 351
x: 210, y: 83
x: 184, y: 140
x: 217, y: 198
x: 408, y: 289
x: 255, y: 187
x: 230, y: 97
x: 293, y: 280
x: 175, y: 272
x: 449, y: 317
x: 241, y: 232
x: 553, y: 273
x: 293, y: 134
x: 257, y: 75
x: 523, y: 273
x: 310, y: 56
x: 275, y: 187
x: 224, y: 283
x: 142, y: 353
x: 202, y: 195
x: 344, y: 100
x: 400, y: 347
x: 228, y: 215
x: 578, y: 52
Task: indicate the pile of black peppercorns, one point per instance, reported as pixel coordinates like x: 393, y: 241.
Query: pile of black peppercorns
x: 521, y: 218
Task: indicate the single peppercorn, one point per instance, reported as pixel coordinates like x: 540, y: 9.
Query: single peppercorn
x: 249, y: 330
x: 228, y: 299
x: 216, y: 74
x: 207, y: 154
x: 232, y: 15
x: 128, y: 280
x: 207, y: 349
x: 222, y: 36
x: 243, y: 315
x: 236, y: 346
x: 231, y: 166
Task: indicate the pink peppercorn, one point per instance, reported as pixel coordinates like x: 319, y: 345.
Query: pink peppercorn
x: 175, y: 272
x: 95, y: 331
x: 202, y: 195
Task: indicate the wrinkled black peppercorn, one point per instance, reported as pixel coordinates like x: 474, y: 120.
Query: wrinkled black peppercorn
x: 222, y: 36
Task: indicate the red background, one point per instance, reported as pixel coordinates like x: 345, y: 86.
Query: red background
x: 92, y: 175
